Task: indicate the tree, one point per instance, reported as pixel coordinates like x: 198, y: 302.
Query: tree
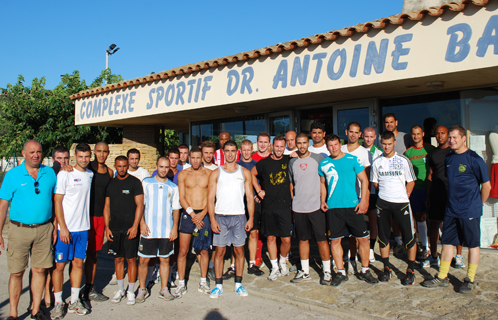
x: 34, y: 112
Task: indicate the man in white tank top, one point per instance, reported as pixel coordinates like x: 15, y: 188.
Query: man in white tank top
x: 228, y: 185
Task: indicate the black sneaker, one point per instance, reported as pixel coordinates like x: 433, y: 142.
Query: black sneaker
x: 338, y: 279
x: 229, y: 274
x: 409, y: 279
x: 211, y: 274
x: 436, y: 282
x: 368, y: 277
x: 255, y: 270
x: 386, y: 275
x: 467, y: 286
x: 39, y: 316
x: 11, y: 318
x: 95, y: 296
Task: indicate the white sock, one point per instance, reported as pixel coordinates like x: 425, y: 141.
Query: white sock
x: 398, y: 240
x: 283, y: 260
x: 181, y: 283
x: 149, y: 274
x: 203, y: 280
x: 251, y: 263
x: 75, y: 294
x: 232, y: 266
x: 305, y: 266
x: 342, y: 271
x: 121, y: 285
x: 326, y: 266
x: 211, y: 264
x: 58, y: 297
x: 422, y: 231
x: 274, y: 264
x: 364, y: 269
x: 131, y: 287
x: 237, y: 285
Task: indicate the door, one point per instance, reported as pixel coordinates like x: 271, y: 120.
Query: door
x: 362, y: 112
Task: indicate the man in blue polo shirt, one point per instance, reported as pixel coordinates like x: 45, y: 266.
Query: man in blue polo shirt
x: 31, y: 229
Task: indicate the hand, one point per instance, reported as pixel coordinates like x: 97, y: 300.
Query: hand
x: 324, y: 207
x: 256, y: 198
x: 65, y: 235
x: 293, y: 154
x: 132, y: 233
x: 261, y: 194
x: 2, y: 244
x: 54, y: 236
x: 173, y: 234
x: 249, y: 225
x: 144, y: 229
x: 108, y: 234
x: 215, y: 226
x: 197, y: 220
x: 361, y: 208
x: 67, y: 168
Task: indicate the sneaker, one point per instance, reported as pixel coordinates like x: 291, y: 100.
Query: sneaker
x: 372, y: 256
x: 259, y: 262
x: 180, y: 291
x: 327, y: 279
x: 230, y: 273
x: 398, y: 249
x: 211, y: 274
x: 114, y: 280
x: 368, y: 277
x: 425, y: 264
x: 39, y: 316
x: 118, y: 295
x: 459, y: 261
x: 386, y: 275
x: 77, y: 308
x: 241, y: 291
x: 352, y: 267
x: 434, y: 262
x: 255, y: 270
x: 141, y: 295
x: 204, y: 288
x: 57, y: 312
x: 284, y: 269
x: 339, y: 278
x: 409, y: 279
x: 301, y: 276
x: 215, y: 293
x: 166, y: 295
x: 422, y: 254
x: 436, y: 282
x: 130, y: 298
x: 467, y: 286
x: 95, y: 296
x: 274, y: 274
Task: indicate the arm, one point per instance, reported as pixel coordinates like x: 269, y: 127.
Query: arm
x: 212, y: 185
x: 249, y: 198
x: 485, y: 189
x: 409, y: 188
x: 259, y: 192
x: 173, y: 234
x: 4, y: 204
x: 139, y: 201
x: 428, y: 182
x: 107, y: 218
x: 323, y: 194
x: 362, y: 207
x: 59, y: 216
x: 291, y: 187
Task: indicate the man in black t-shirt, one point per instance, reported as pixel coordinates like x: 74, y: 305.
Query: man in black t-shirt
x: 276, y: 202
x: 124, y: 204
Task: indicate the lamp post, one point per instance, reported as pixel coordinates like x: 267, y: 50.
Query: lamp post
x: 112, y: 50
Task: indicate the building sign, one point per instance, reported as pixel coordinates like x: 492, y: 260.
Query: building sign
x: 451, y: 43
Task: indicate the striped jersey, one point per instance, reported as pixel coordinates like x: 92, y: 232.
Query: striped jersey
x: 160, y: 198
x: 219, y: 157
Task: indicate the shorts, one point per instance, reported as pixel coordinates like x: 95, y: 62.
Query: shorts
x: 417, y: 200
x: 30, y: 242
x: 257, y: 216
x: 277, y: 222
x: 76, y: 248
x: 460, y: 231
x: 155, y: 247
x: 437, y: 206
x: 186, y: 224
x: 402, y: 214
x: 315, y: 221
x: 340, y: 220
x: 96, y: 234
x: 204, y: 240
x: 232, y: 230
x: 372, y: 202
x: 121, y: 246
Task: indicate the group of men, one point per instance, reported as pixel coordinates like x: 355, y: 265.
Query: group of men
x: 209, y: 199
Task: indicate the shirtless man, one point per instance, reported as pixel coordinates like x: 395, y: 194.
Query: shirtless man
x: 193, y: 187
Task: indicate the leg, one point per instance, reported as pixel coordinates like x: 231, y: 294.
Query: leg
x: 272, y: 247
x: 15, y: 288
x: 143, y: 269
x: 352, y: 248
x: 474, y: 255
x: 434, y: 236
x: 132, y: 270
x: 76, y: 273
x: 48, y: 286
x: 203, y: 259
x: 37, y: 286
x: 372, y: 218
x: 164, y: 271
x: 252, y: 244
x: 285, y: 246
x: 337, y: 253
x: 182, y: 254
x: 459, y: 250
x: 58, y: 276
x: 364, y: 251
x: 304, y: 249
x: 239, y: 260
x: 90, y: 266
x: 119, y: 267
x: 323, y: 248
x: 218, y: 261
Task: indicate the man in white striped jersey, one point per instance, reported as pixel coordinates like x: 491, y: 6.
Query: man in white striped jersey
x: 158, y: 227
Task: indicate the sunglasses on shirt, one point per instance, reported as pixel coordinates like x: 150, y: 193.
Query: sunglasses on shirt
x: 37, y: 191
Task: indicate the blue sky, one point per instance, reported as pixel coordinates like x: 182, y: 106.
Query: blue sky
x: 52, y: 38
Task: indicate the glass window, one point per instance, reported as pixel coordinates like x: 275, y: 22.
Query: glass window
x: 308, y: 116
x: 279, y: 125
x: 346, y: 116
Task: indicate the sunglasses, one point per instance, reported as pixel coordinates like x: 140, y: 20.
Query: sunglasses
x: 37, y: 191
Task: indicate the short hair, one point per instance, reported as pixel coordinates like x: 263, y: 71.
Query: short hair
x: 354, y: 124
x: 162, y: 157
x: 263, y: 134
x: 222, y: 132
x: 134, y: 151
x: 195, y: 149
x: 60, y: 149
x: 317, y: 125
x: 331, y: 137
x: 390, y: 115
x: 415, y: 127
x: 183, y: 146
x: 386, y: 135
x: 208, y: 144
x: 246, y: 142
x: 120, y: 158
x: 230, y: 143
x: 460, y: 129
x: 174, y: 151
x: 83, y: 147
x: 429, y: 122
x: 279, y: 137
x: 303, y: 135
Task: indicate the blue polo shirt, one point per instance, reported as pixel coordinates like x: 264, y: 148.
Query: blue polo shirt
x: 19, y: 187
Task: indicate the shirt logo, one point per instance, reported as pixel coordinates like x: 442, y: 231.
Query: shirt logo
x: 126, y: 191
x: 284, y: 166
x: 77, y: 180
x: 23, y: 184
x: 462, y: 168
x: 303, y: 166
x: 406, y: 213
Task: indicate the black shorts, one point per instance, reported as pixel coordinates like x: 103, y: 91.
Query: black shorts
x: 306, y: 222
x: 155, y: 247
x: 461, y: 231
x: 402, y: 214
x: 257, y: 216
x: 186, y: 224
x: 437, y: 206
x: 339, y: 220
x: 276, y: 222
x: 372, y: 202
x: 121, y: 246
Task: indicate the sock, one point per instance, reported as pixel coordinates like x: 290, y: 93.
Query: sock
x: 121, y: 285
x: 211, y: 264
x: 251, y: 263
x: 385, y: 261
x: 283, y: 260
x: 219, y: 283
x: 181, y: 283
x: 471, y: 271
x: 372, y: 243
x: 58, y: 297
x: 326, y: 266
x: 232, y: 266
x: 203, y: 280
x: 237, y: 285
x: 422, y: 231
x: 238, y: 280
x: 444, y: 268
x: 364, y: 269
x: 149, y: 275
x: 305, y: 266
x: 75, y: 293
x: 398, y: 240
x: 411, y: 265
x: 274, y: 264
x: 131, y: 287
x: 342, y: 271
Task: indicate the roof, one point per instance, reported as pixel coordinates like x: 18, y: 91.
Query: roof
x: 397, y: 19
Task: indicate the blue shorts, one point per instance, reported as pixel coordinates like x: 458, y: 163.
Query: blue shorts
x: 186, y: 224
x: 461, y: 231
x: 75, y: 249
x: 204, y: 240
x: 417, y: 200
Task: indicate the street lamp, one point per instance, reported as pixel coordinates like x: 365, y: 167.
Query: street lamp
x: 112, y: 50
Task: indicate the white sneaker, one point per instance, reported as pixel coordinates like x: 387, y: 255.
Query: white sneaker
x: 114, y: 280
x: 372, y: 256
x: 284, y: 269
x: 118, y: 295
x: 130, y: 298
x: 274, y: 274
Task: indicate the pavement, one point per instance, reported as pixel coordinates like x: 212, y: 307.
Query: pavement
x: 280, y: 299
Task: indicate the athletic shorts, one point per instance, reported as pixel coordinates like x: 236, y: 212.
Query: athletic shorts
x: 417, y: 200
x: 121, y: 246
x: 257, y: 216
x: 75, y: 249
x: 232, y: 230
x: 155, y: 247
x: 305, y: 223
x: 96, y: 234
x: 461, y: 231
x: 277, y: 222
x: 343, y: 221
x: 204, y: 240
x: 30, y: 242
x: 372, y: 202
x: 437, y: 206
x: 186, y: 224
x: 402, y: 214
